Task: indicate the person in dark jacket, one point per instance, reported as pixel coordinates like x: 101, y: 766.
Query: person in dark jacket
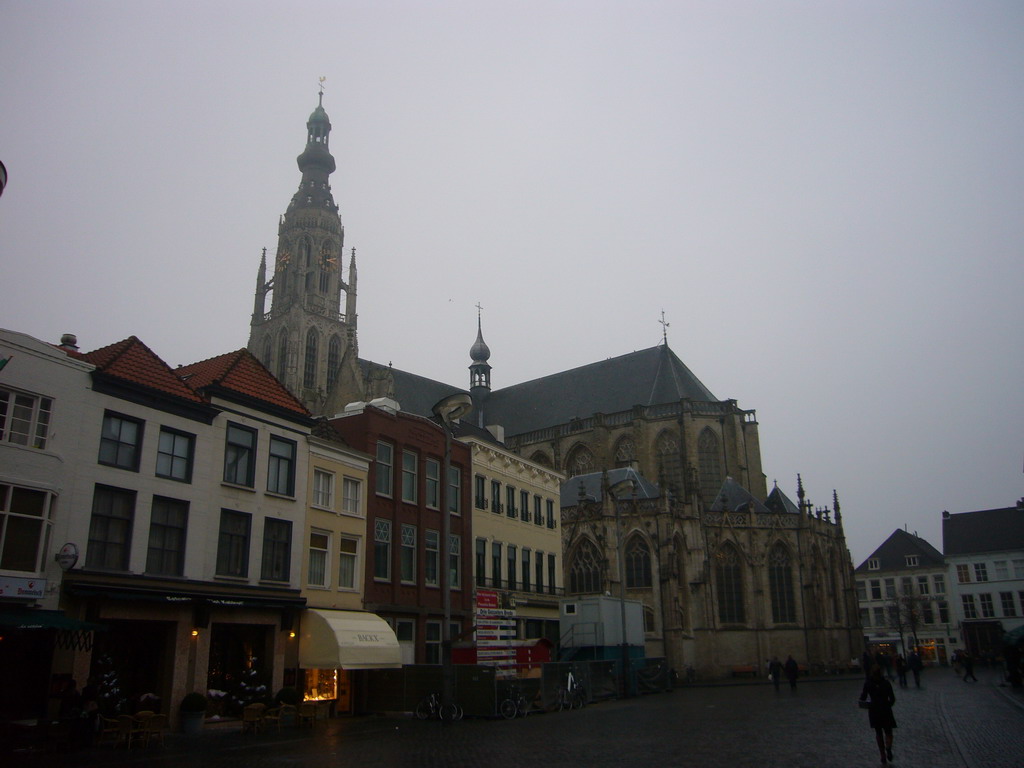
x: 775, y: 671
x: 880, y: 717
x: 792, y: 670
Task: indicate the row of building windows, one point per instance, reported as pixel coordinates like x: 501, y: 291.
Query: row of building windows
x: 523, y: 569
x: 111, y: 527
x: 410, y: 553
x: 311, y: 355
x: 121, y: 441
x: 517, y: 503
x: 885, y: 589
x: 1001, y: 570
x: 324, y: 494
x: 318, y: 573
x: 887, y: 616
x: 405, y: 633
x: 985, y: 607
x: 410, y: 470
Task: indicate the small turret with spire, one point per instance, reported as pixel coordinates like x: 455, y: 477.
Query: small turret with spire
x: 479, y: 370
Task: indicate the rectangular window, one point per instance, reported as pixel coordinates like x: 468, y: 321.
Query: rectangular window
x: 865, y: 617
x: 110, y: 529
x: 281, y: 467
x: 970, y: 611
x: 168, y: 522
x: 348, y: 554
x: 876, y: 589
x: 551, y: 513
x: 874, y: 564
x: 496, y: 564
x: 526, y: 569
x: 479, y: 497
x: 912, y: 561
x: 922, y: 585
x: 382, y: 549
x: 24, y: 418
x: 538, y: 512
x: 385, y: 462
x: 277, y: 550
x: 454, y: 562
x: 524, y: 504
x: 120, y: 441
x: 928, y: 613
x: 233, y: 543
x: 907, y: 585
x: 481, y: 562
x: 319, y: 556
x: 1009, y: 609
x: 25, y: 521
x: 980, y: 572
x: 432, y: 555
x: 174, y: 455
x: 351, y: 492
x: 511, y: 560
x: 409, y: 462
x: 1002, y: 571
x: 862, y: 591
x: 433, y: 475
x: 407, y: 556
x: 240, y: 456
x: 943, y: 612
x: 432, y: 641
x: 1018, y: 569
x: 963, y: 573
x: 323, y: 489
x: 538, y: 571
x: 879, y: 614
x: 890, y: 588
x: 454, y: 490
x: 987, y: 609
x: 939, y: 582
x: 510, y: 501
x: 495, y: 496
x: 552, y: 572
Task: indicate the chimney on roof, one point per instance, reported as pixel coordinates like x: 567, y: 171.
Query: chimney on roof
x: 69, y: 341
x: 945, y: 514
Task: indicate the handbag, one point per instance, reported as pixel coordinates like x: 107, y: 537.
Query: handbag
x: 863, y: 704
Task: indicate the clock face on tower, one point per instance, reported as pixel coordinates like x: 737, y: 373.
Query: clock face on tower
x: 327, y: 260
x: 283, y: 257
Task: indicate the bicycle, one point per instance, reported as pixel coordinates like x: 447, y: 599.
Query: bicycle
x: 571, y: 696
x: 431, y: 708
x: 515, y: 705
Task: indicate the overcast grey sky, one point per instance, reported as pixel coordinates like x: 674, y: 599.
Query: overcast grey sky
x: 825, y: 198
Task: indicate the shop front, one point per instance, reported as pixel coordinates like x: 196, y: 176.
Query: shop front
x: 333, y: 645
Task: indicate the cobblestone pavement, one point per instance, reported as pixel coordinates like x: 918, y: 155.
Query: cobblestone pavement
x: 945, y: 724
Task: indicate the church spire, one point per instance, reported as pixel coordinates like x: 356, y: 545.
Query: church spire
x: 479, y: 353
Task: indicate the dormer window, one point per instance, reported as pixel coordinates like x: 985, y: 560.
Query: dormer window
x: 874, y: 564
x: 912, y: 561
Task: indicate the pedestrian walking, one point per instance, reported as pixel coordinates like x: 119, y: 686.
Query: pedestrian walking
x: 792, y: 670
x: 901, y: 670
x: 968, y: 662
x: 775, y: 671
x: 915, y: 664
x: 880, y: 717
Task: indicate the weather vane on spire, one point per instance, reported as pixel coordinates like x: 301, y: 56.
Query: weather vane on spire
x: 322, y: 79
x: 664, y: 328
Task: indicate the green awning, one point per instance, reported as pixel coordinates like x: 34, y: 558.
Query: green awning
x: 39, y: 619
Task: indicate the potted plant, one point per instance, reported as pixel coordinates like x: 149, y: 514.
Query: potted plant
x: 193, y: 712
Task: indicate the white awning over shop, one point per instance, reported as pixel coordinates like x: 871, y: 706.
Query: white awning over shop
x: 347, y: 640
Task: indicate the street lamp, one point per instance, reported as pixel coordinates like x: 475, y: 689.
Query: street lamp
x: 448, y: 410
x: 623, y: 487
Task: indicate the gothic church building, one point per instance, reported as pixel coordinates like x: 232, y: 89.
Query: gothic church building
x: 729, y: 573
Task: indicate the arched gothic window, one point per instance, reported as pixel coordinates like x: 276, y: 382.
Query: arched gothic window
x: 541, y: 458
x: 649, y: 625
x: 709, y: 463
x: 670, y: 462
x: 282, y: 356
x: 729, y: 581
x: 580, y: 461
x: 333, y: 360
x: 638, y: 563
x: 309, y: 363
x: 625, y: 452
x: 268, y: 353
x: 780, y: 585
x: 585, y: 575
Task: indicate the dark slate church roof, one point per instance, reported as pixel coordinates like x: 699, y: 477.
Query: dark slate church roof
x: 987, y: 530
x: 592, y: 486
x: 779, y: 502
x: 892, y: 555
x: 648, y: 377
x: 733, y: 497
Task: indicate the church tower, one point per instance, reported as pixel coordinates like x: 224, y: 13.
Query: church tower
x: 308, y: 337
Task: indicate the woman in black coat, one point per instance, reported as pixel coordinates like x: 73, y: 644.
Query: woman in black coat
x: 880, y: 710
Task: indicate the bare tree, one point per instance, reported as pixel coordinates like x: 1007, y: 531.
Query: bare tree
x: 906, y: 614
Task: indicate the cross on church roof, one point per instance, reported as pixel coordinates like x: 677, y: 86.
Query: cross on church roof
x: 664, y: 328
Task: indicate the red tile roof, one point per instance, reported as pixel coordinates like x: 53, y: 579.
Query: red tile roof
x: 242, y: 373
x: 132, y: 361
